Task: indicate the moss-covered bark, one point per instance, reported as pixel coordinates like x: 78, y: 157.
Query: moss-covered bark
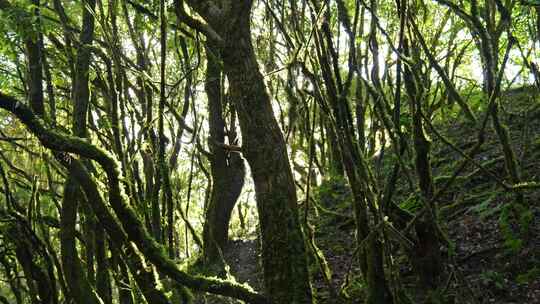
x: 283, y: 249
x: 350, y: 145
x: 130, y: 222
x: 227, y: 169
x: 427, y: 259
x: 79, y: 288
x: 371, y: 250
x: 33, y: 256
x: 103, y: 277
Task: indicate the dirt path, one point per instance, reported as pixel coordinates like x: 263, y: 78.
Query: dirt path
x: 243, y: 258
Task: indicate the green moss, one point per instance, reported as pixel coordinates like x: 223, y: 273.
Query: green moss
x: 411, y: 204
x: 529, y: 276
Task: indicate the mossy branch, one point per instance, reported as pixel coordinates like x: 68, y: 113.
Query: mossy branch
x: 130, y: 221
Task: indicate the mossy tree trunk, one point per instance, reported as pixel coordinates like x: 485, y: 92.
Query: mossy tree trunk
x: 350, y: 147
x: 361, y: 183
x: 227, y: 168
x: 80, y: 289
x: 283, y: 249
x: 487, y: 30
x: 426, y: 256
x: 34, y: 258
x: 34, y: 50
x: 132, y: 231
x: 30, y: 252
x: 489, y: 42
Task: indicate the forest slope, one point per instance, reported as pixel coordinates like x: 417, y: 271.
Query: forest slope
x: 494, y: 260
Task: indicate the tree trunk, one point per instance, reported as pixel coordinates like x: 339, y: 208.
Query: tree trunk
x: 427, y: 253
x: 80, y: 288
x: 227, y: 168
x: 283, y: 249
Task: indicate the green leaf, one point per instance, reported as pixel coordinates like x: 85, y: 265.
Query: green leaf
x: 530, y: 2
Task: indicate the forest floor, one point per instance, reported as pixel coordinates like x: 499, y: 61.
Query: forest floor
x: 496, y: 256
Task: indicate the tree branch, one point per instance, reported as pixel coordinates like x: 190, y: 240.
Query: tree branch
x: 130, y: 221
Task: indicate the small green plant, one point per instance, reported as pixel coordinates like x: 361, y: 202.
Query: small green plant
x: 411, y: 204
x: 492, y: 278
x: 529, y: 276
x: 515, y: 217
x: 485, y: 209
x: 333, y: 192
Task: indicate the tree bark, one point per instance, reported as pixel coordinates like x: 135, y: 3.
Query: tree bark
x: 80, y: 289
x: 130, y: 222
x: 283, y: 249
x: 427, y: 259
x: 227, y: 168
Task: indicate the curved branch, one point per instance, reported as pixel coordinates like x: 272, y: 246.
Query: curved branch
x: 130, y: 221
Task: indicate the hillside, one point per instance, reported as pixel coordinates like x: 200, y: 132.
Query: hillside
x: 493, y: 259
